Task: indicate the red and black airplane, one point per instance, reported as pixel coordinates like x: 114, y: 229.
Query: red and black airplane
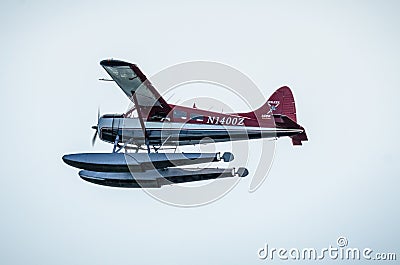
x: 154, y: 125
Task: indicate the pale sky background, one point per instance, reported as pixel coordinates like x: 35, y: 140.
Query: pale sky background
x: 341, y: 58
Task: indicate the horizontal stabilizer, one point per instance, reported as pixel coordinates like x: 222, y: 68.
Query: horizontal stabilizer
x: 282, y: 121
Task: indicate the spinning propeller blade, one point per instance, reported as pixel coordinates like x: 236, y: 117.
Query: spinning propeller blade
x: 95, y: 127
x: 94, y: 136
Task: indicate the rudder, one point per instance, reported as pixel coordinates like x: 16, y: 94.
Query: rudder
x: 281, y: 108
x: 282, y: 102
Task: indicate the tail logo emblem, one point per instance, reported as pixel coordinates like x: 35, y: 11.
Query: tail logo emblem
x: 273, y: 105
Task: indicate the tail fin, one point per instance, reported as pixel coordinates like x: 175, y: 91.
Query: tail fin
x: 281, y: 107
x: 282, y: 102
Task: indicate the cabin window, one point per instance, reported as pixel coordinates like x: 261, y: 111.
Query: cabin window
x: 158, y: 116
x: 179, y: 114
x: 196, y: 117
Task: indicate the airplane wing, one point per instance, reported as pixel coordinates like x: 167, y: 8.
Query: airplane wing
x: 132, y: 81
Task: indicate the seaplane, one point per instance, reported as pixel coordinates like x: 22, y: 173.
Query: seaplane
x: 145, y: 137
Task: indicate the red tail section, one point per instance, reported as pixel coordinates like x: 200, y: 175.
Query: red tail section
x: 280, y: 103
x: 281, y: 107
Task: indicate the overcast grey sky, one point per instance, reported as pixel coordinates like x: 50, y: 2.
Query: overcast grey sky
x: 341, y: 58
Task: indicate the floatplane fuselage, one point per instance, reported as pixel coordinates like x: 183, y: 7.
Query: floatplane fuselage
x: 154, y: 125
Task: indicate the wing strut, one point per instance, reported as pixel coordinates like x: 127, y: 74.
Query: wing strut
x: 139, y: 111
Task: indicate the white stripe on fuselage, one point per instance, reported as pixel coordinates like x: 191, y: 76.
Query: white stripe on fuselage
x: 133, y: 123
x: 192, y: 126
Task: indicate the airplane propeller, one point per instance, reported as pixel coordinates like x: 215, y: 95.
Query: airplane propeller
x: 95, y: 127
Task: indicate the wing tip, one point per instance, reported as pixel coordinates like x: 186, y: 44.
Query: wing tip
x: 111, y: 62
